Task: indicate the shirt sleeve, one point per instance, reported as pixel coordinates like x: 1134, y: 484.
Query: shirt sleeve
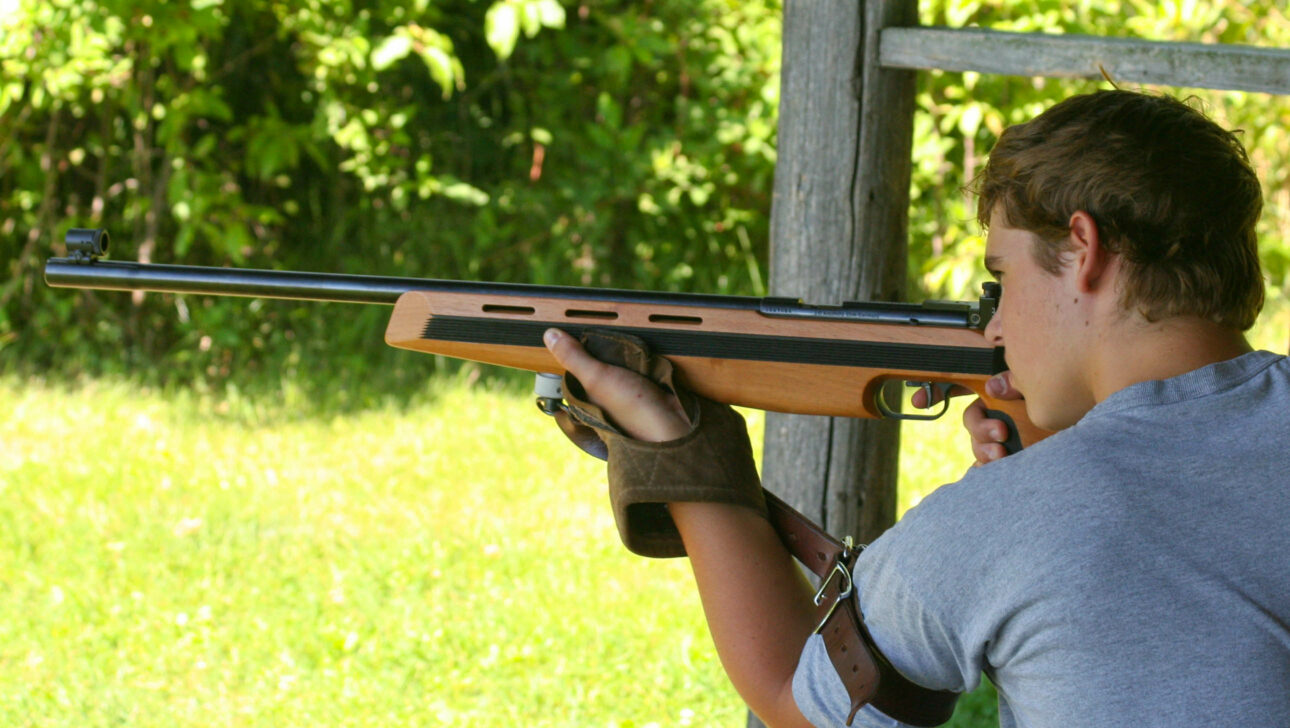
x: 821, y: 696
x: 909, y: 582
x: 925, y: 595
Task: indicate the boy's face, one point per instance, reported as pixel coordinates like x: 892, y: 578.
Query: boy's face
x: 1037, y: 324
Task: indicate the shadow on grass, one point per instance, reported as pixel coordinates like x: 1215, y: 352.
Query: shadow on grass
x: 272, y: 395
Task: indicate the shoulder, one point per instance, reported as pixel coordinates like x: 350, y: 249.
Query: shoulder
x: 936, y: 588
x: 993, y: 505
x: 933, y: 587
x: 984, y: 567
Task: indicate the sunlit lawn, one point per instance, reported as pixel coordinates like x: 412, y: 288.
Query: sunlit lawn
x: 185, y: 560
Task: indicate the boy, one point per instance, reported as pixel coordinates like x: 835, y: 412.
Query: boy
x: 1128, y: 570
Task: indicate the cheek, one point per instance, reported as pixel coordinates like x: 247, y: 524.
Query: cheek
x: 1011, y: 315
x: 1017, y: 325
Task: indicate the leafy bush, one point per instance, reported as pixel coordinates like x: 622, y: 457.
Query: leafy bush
x: 606, y: 143
x: 614, y: 145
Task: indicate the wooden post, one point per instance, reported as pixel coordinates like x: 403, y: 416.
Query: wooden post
x: 839, y: 223
x: 838, y: 232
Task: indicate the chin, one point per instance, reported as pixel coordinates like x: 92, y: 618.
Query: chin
x: 1052, y: 420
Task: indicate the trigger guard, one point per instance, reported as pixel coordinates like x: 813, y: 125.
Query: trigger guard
x: 880, y: 401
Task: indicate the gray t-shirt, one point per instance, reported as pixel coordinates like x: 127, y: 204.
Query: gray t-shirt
x: 1132, y: 570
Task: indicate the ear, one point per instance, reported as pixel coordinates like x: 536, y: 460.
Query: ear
x: 1090, y: 261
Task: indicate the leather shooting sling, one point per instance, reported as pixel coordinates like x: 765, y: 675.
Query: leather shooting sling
x: 865, y: 673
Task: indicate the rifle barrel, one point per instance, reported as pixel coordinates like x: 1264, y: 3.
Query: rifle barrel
x: 334, y: 287
x: 349, y: 288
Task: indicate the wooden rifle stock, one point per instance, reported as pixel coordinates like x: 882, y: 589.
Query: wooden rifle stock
x: 766, y: 353
x: 803, y: 363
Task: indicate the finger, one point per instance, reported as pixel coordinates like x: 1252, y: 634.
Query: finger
x: 636, y: 404
x: 606, y: 385
x: 570, y: 355
x: 988, y: 452
x: 980, y: 427
x: 921, y: 400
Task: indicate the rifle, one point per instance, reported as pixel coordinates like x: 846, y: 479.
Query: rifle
x: 776, y: 354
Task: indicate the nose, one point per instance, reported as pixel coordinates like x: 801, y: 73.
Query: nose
x: 994, y: 330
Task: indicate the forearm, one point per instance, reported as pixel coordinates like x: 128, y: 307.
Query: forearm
x: 757, y: 603
x: 756, y: 600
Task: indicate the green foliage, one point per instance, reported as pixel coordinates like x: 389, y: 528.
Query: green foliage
x: 635, y: 149
x: 504, y: 20
x: 608, y: 143
x: 964, y: 113
x: 614, y: 145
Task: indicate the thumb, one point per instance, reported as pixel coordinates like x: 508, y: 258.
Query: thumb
x: 636, y: 404
x: 1001, y: 386
x: 570, y: 354
x: 610, y: 387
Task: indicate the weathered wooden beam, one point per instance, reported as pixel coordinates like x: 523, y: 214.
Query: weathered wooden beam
x: 838, y: 232
x: 839, y: 219
x: 1126, y: 60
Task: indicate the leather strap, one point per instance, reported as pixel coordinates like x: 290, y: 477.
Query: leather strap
x: 581, y: 435
x: 864, y: 671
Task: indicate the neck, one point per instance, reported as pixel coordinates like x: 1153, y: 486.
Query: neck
x: 1138, y: 351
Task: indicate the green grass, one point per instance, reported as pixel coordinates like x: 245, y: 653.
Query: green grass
x: 187, y: 559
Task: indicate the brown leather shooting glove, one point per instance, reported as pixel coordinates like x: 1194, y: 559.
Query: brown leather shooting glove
x: 712, y: 463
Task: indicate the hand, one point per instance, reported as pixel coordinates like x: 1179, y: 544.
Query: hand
x: 988, y: 435
x: 639, y: 407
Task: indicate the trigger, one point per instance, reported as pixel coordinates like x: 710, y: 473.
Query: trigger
x: 929, y: 391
